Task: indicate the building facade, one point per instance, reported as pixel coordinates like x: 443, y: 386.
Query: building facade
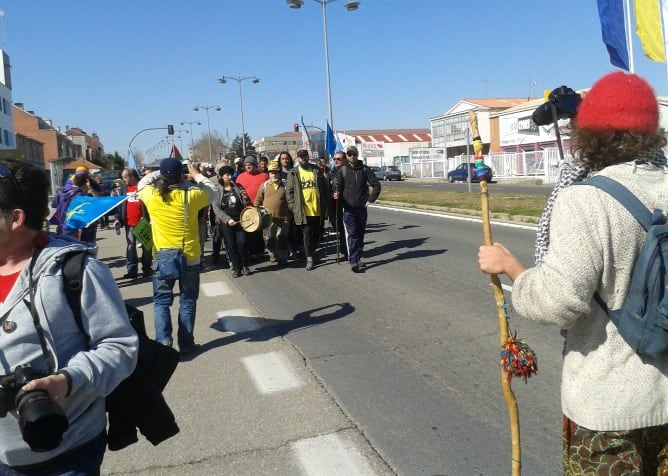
x: 7, y: 140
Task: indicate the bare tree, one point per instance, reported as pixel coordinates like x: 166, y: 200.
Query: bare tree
x: 200, y: 150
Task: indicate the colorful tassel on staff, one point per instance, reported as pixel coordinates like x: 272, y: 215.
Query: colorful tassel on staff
x: 518, y: 359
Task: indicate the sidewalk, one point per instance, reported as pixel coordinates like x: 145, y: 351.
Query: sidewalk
x: 246, y: 402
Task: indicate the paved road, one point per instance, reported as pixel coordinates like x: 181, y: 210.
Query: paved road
x: 247, y: 403
x: 393, y: 369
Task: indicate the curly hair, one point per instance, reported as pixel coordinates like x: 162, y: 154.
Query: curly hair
x: 598, y: 149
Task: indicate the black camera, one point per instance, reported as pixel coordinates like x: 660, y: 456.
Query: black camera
x: 41, y: 421
x: 565, y: 102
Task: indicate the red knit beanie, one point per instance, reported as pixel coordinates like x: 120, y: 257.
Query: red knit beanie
x: 620, y: 102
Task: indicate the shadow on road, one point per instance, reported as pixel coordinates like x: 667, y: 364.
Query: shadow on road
x: 271, y: 328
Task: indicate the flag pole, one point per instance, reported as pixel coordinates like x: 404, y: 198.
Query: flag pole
x: 629, y: 34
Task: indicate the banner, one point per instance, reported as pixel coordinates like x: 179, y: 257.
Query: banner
x: 331, y: 141
x: 84, y: 210
x: 611, y: 14
x: 648, y: 28
x: 131, y: 160
x: 142, y: 231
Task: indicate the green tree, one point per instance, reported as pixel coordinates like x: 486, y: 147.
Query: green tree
x: 114, y: 162
x: 237, y: 148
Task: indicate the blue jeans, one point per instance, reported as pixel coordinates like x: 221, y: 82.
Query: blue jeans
x: 163, y: 298
x: 131, y: 253
x: 82, y: 461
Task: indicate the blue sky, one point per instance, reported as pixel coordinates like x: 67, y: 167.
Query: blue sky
x: 116, y: 67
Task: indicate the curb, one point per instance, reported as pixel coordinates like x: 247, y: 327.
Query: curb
x: 503, y: 217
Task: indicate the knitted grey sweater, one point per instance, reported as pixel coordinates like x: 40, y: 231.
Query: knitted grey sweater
x: 593, y: 244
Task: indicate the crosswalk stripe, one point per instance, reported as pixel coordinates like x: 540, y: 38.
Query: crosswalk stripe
x: 271, y: 372
x: 327, y: 455
x: 217, y: 288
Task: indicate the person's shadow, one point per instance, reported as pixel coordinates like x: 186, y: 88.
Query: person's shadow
x: 260, y: 329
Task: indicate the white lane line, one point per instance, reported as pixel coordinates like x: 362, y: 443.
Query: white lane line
x: 271, y: 372
x: 328, y: 456
x: 217, y: 288
x: 237, y: 321
x: 454, y: 217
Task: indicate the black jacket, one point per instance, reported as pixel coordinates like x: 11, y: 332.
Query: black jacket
x: 353, y: 184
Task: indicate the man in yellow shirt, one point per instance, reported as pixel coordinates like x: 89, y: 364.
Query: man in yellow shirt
x: 173, y: 205
x: 308, y: 194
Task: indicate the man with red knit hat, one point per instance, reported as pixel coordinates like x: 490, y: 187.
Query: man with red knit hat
x: 614, y: 401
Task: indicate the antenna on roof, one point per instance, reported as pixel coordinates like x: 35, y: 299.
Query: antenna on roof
x: 486, y: 81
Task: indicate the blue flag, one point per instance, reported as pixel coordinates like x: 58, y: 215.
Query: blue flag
x: 84, y: 210
x: 331, y: 141
x: 611, y: 14
x: 131, y: 160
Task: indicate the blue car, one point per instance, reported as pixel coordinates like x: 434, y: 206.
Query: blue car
x: 460, y: 173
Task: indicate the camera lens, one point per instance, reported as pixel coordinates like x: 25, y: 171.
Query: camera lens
x: 41, y: 421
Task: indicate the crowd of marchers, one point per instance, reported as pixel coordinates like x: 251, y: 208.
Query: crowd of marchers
x: 252, y: 210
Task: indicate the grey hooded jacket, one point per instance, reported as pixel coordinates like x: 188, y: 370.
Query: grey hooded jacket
x: 96, y: 365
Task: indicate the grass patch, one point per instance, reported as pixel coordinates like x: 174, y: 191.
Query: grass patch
x: 499, y: 202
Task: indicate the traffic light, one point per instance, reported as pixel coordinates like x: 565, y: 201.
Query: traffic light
x: 296, y: 126
x: 170, y: 129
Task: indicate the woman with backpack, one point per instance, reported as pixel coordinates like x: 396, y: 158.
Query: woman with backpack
x: 614, y: 400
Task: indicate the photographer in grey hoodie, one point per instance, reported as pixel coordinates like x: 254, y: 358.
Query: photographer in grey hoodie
x: 77, y: 369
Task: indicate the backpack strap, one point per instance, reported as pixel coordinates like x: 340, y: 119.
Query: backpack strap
x: 73, y: 283
x: 620, y: 193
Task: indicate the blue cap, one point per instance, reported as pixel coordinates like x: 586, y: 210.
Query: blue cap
x: 170, y: 167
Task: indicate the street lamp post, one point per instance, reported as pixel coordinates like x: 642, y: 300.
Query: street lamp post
x: 239, y: 80
x: 183, y: 123
x: 208, y: 123
x: 351, y: 5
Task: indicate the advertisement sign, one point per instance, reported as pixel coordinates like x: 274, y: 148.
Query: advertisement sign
x: 426, y: 154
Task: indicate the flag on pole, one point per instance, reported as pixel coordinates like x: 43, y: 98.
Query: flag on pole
x: 306, y: 140
x: 131, y: 160
x: 331, y: 141
x: 649, y: 30
x: 175, y: 154
x: 84, y: 210
x: 611, y: 14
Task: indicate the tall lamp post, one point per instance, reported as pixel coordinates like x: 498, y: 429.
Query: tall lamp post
x: 239, y: 80
x: 351, y: 6
x: 208, y: 123
x: 183, y: 123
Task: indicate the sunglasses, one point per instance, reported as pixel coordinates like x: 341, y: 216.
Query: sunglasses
x: 338, y: 158
x: 6, y: 174
x: 351, y: 154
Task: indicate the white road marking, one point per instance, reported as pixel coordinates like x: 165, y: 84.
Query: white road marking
x: 271, y: 372
x: 328, y: 456
x: 455, y: 217
x: 237, y: 321
x: 217, y: 288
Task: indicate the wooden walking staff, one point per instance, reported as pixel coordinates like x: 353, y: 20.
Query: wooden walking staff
x: 517, y: 359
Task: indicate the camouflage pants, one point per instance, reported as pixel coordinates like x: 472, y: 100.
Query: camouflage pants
x: 615, y: 453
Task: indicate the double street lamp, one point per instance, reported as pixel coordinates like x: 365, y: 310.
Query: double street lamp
x: 183, y: 123
x: 239, y: 80
x: 351, y: 6
x: 208, y: 123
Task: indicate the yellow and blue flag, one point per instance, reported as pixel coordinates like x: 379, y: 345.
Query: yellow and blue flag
x: 84, y: 210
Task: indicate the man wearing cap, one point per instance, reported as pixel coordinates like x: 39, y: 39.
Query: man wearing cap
x: 272, y: 196
x: 352, y: 187
x: 252, y: 178
x: 173, y: 205
x: 308, y: 194
x: 238, y: 167
x: 610, y: 425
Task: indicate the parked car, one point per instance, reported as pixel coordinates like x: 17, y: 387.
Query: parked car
x: 460, y: 174
x: 387, y: 172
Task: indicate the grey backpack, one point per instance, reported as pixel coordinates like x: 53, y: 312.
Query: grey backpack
x: 643, y: 318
